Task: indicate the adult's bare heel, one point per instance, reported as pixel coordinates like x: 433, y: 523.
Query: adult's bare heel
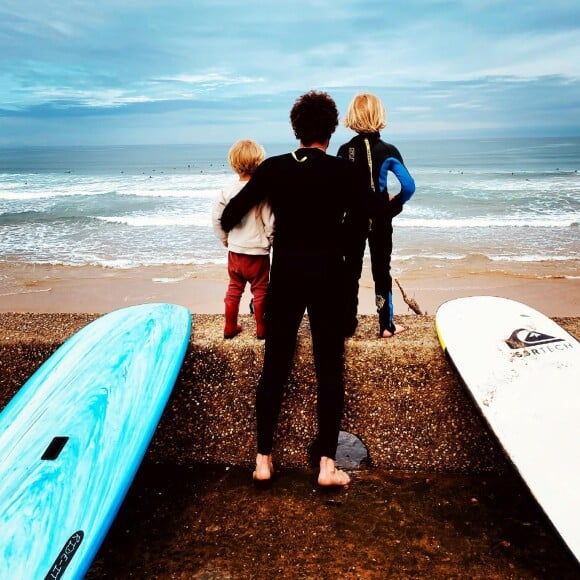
x: 330, y: 476
x: 264, y: 471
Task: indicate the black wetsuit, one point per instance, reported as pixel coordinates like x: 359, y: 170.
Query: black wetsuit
x: 377, y: 227
x: 310, y: 192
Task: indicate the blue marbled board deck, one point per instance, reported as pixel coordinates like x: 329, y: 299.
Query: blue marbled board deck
x: 104, y: 389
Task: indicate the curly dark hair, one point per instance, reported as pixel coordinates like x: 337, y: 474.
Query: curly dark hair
x: 314, y: 117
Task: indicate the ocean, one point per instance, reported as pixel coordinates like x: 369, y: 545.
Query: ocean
x: 496, y: 205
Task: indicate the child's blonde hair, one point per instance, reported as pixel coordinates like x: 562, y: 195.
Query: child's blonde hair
x: 366, y: 114
x: 245, y: 156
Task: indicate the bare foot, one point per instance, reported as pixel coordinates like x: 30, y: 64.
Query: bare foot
x: 264, y: 468
x: 329, y: 475
x: 398, y: 330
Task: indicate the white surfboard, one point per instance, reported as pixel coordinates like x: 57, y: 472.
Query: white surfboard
x: 72, y: 438
x: 523, y: 371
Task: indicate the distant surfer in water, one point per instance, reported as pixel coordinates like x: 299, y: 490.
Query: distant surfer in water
x: 309, y: 192
x: 373, y: 159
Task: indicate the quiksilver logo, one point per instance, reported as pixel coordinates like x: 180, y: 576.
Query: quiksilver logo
x: 66, y: 554
x: 523, y: 337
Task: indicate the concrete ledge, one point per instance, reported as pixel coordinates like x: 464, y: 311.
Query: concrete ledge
x: 402, y: 398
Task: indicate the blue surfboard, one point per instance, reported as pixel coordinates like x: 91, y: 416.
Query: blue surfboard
x: 73, y: 437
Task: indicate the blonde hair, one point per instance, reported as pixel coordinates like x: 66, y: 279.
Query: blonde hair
x: 245, y: 156
x: 366, y: 114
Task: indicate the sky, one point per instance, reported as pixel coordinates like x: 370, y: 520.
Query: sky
x: 120, y: 72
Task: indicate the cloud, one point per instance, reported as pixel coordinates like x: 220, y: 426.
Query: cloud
x: 436, y: 63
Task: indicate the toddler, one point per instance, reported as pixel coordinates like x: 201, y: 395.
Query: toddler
x: 248, y: 243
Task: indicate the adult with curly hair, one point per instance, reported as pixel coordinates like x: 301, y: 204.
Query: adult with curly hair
x: 309, y: 192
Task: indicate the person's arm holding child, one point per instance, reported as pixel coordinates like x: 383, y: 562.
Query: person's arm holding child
x: 216, y: 215
x: 250, y: 196
x: 268, y: 220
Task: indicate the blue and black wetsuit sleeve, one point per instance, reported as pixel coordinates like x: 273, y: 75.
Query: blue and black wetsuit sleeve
x: 401, y: 173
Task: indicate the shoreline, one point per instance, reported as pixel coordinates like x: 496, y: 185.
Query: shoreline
x: 201, y: 520
x: 201, y: 288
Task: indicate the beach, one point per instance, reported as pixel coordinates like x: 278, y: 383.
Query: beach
x: 94, y: 229
x: 201, y: 288
x: 91, y: 230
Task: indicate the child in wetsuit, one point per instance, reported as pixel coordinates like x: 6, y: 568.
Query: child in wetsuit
x: 373, y: 159
x: 248, y: 243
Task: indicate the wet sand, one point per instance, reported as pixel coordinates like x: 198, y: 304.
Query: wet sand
x: 212, y: 523
x: 36, y: 288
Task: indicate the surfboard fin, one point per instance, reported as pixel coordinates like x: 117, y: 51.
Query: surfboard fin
x: 54, y: 448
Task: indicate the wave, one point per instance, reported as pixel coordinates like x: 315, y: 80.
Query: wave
x: 38, y: 217
x: 437, y: 266
x: 203, y: 219
x: 453, y: 265
x: 131, y: 214
x: 123, y: 263
x: 481, y: 257
x: 169, y: 280
x: 56, y: 192
x: 528, y: 221
x: 20, y: 291
x: 141, y: 221
x: 535, y: 258
x: 36, y: 187
x: 409, y: 257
